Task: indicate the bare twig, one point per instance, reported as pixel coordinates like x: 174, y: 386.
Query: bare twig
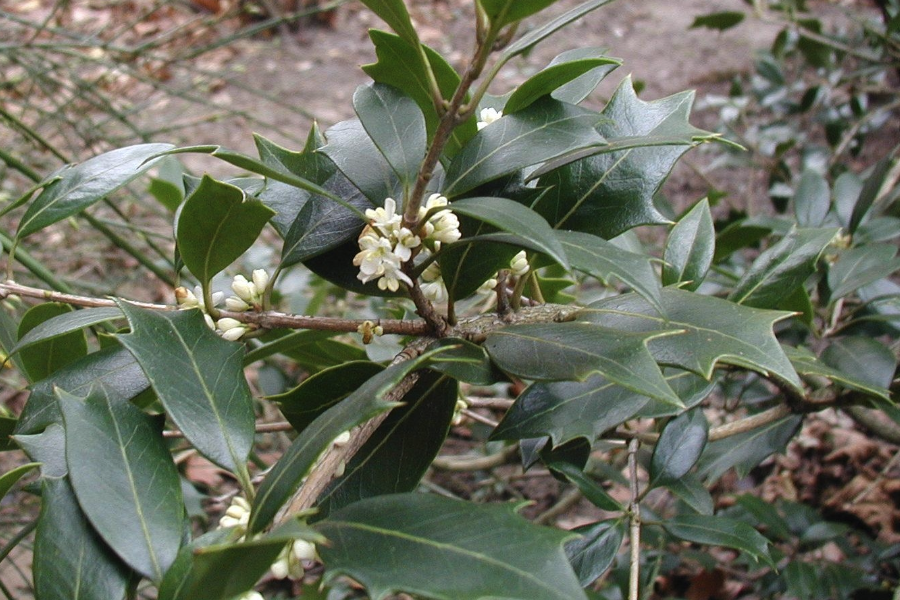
x: 260, y: 428
x: 567, y: 501
x: 475, y: 463
x: 634, y: 575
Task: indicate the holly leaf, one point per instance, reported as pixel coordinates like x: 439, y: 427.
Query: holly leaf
x: 67, y: 322
x: 360, y: 406
x: 593, y: 553
x: 714, y: 331
x: 690, y: 248
x: 42, y: 359
x: 396, y: 126
x: 71, y: 562
x: 581, y: 87
x: 867, y: 359
x: 720, y: 531
x: 546, y: 129
x: 504, y: 12
x: 353, y: 152
x: 812, y: 200
x: 611, y: 190
x: 400, y: 451
x: 558, y: 351
x: 113, y: 368
x: 512, y: 217
x: 216, y: 225
x: 535, y: 36
x: 199, y: 379
x: 554, y: 76
x: 780, y: 270
x: 601, y: 259
x: 394, y: 13
x: 400, y: 65
x: 746, y: 450
x: 9, y: 479
x: 116, y: 454
x: 679, y: 447
x: 807, y: 363
x: 79, y: 187
x: 431, y: 540
x: 718, y: 20
x: 861, y: 266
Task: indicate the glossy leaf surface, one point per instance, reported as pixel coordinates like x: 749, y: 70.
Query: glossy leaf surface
x: 83, y: 185
x: 396, y: 126
x: 71, y: 562
x: 216, y: 225
x: 394, y: 13
x: 577, y: 350
x: 714, y: 330
x: 746, y: 450
x: 400, y: 451
x: 546, y: 129
x: 720, y: 531
x: 535, y: 36
x: 67, y: 322
x: 43, y: 359
x: 554, y: 76
x: 115, y: 454
x: 679, y: 447
x: 593, y: 553
x: 287, y: 474
x: 690, y: 248
x: 198, y: 377
x: 859, y: 358
x: 861, y: 266
x: 781, y: 269
x: 432, y: 540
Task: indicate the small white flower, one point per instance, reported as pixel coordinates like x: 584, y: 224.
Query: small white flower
x: 488, y: 287
x: 435, y: 291
x: 235, y: 304
x: 385, y: 218
x: 339, y: 470
x: 392, y: 276
x: 232, y: 329
x: 406, y: 241
x: 289, y: 562
x: 374, y: 254
x: 209, y: 321
x: 260, y: 280
x: 245, y: 290
x: 488, y: 116
x: 446, y: 228
x: 186, y: 298
x: 237, y: 515
x: 519, y: 264
x: 251, y: 595
x: 233, y: 335
x: 341, y: 440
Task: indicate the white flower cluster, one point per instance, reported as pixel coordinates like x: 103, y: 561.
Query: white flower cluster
x: 385, y: 244
x: 488, y: 116
x: 248, y: 296
x: 237, y: 515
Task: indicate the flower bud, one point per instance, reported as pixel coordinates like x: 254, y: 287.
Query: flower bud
x: 260, y: 280
x: 235, y: 304
x: 519, y: 264
x: 342, y: 439
x: 209, y: 321
x: 244, y: 289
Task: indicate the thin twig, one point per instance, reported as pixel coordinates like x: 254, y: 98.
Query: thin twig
x: 475, y: 463
x: 634, y: 575
x: 260, y: 428
x: 567, y: 501
x: 480, y: 418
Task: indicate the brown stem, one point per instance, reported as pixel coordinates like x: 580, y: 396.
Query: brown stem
x: 635, y: 520
x: 260, y: 428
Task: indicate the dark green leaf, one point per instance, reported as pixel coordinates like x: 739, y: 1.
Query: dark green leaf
x: 464, y: 361
x: 396, y: 126
x: 603, y: 260
x: 504, y: 12
x: 781, y: 269
x: 400, y: 65
x: 690, y: 387
x: 720, y: 531
x: 394, y: 13
x: 7, y: 428
x: 515, y: 218
x: 323, y: 390
x: 554, y: 76
x: 678, y: 448
x: 870, y: 191
x: 767, y: 515
x: 567, y: 410
x: 862, y: 358
x: 83, y: 185
x: 10, y: 478
x: 43, y: 359
x: 47, y: 448
x: 336, y: 266
x: 360, y: 406
x: 690, y: 490
x: 590, y: 489
x: 112, y: 367
x: 116, y: 455
x: 432, y: 540
x: 581, y: 87
x: 278, y: 342
x: 532, y: 38
x: 714, y: 330
x: 812, y: 200
x: 71, y: 562
x: 806, y: 363
x: 321, y: 225
x: 67, y: 322
x: 611, y: 192
x: 743, y: 233
x: 216, y: 225
x: 718, y: 20
x: 546, y: 129
x: 577, y: 350
x: 400, y: 451
x: 690, y: 248
x: 199, y: 379
x: 746, y: 450
x: 861, y: 266
x: 593, y: 553
x: 358, y: 158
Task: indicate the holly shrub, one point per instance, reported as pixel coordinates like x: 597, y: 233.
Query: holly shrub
x: 488, y: 243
